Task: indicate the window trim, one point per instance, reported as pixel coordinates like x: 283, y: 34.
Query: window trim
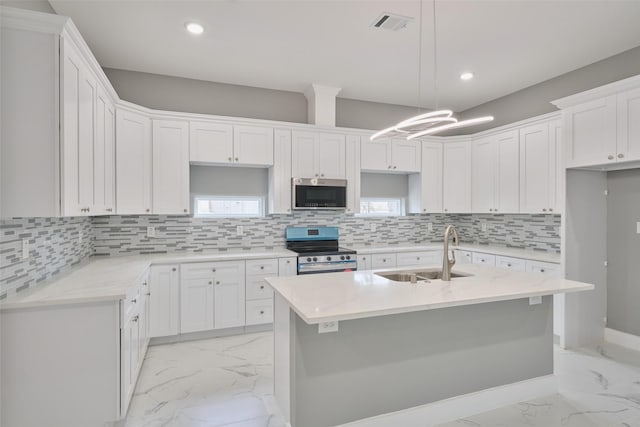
x: 259, y: 199
x: 401, y: 200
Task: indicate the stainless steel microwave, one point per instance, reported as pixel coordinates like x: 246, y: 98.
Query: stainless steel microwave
x: 318, y: 193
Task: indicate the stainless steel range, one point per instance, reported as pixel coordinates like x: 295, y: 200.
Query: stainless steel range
x: 318, y: 250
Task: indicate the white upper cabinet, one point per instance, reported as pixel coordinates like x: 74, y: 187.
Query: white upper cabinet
x: 495, y: 174
x: 104, y: 167
x: 224, y: 144
x: 457, y: 177
x: 390, y: 155
x: 538, y: 174
x: 133, y: 163
x: 317, y: 154
x: 628, y: 126
x: 425, y: 189
x: 280, y: 174
x: 591, y: 133
x: 352, y: 158
x: 170, y: 167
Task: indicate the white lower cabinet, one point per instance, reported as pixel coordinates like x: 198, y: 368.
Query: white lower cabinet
x: 229, y: 294
x: 259, y: 298
x: 364, y: 262
x: 483, y: 259
x: 164, y: 300
x: 427, y: 258
x: 543, y: 267
x: 463, y: 257
x: 383, y: 261
x: 517, y: 264
x: 287, y: 266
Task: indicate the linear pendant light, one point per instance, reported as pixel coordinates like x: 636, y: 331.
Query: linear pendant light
x: 434, y: 121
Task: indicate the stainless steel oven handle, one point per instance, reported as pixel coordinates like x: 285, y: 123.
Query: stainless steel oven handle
x: 319, y: 266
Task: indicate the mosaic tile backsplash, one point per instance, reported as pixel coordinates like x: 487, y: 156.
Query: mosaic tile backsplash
x: 121, y: 235
x: 53, y: 248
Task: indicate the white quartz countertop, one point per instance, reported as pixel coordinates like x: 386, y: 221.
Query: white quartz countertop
x: 487, y: 249
x: 343, y: 296
x: 107, y: 279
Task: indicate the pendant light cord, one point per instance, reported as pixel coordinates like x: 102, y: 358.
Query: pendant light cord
x: 420, y: 62
x: 435, y: 57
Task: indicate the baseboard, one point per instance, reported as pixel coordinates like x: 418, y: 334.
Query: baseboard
x: 452, y: 409
x: 622, y: 338
x: 214, y: 333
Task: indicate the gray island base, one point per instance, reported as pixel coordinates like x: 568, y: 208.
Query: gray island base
x: 382, y: 364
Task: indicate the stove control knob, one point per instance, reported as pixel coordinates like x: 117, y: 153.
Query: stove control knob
x: 315, y: 259
x: 342, y: 257
x: 308, y: 259
x: 328, y: 258
x: 348, y: 257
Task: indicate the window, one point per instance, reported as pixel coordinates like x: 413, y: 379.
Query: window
x: 375, y: 206
x: 228, y: 206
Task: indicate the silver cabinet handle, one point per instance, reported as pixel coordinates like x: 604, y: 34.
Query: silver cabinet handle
x: 288, y: 261
x: 148, y: 210
x: 185, y: 210
x: 213, y: 269
x: 490, y: 210
x: 173, y: 269
x: 144, y: 283
x: 424, y: 210
x: 621, y: 156
x: 261, y: 311
x: 262, y: 287
x: 210, y: 282
x: 236, y: 159
x: 495, y: 210
x: 389, y: 167
x: 610, y: 157
x: 542, y: 270
x: 550, y: 209
x: 135, y: 319
x: 446, y: 210
x: 508, y: 265
x: 134, y: 301
x: 217, y: 282
x: 230, y: 159
x: 316, y: 174
x: 109, y: 210
x: 262, y: 267
x: 418, y: 258
x: 149, y: 294
x: 321, y: 174
x: 544, y: 209
x: 395, y: 167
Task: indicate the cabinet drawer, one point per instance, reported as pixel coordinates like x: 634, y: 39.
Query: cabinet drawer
x: 133, y: 299
x: 364, y: 262
x: 259, y: 312
x: 383, y: 261
x: 483, y: 259
x: 258, y: 288
x: 464, y: 257
x: 517, y: 264
x: 262, y: 267
x: 547, y: 268
x: 419, y: 258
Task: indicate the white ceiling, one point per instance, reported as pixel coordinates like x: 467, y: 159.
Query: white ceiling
x: 287, y: 45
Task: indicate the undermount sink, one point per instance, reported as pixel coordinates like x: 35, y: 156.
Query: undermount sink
x: 421, y: 275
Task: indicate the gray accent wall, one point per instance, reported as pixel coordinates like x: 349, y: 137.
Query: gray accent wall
x: 54, y: 248
x: 623, y: 251
x: 198, y: 96
x: 536, y: 100
x: 353, y: 113
x: 37, y: 5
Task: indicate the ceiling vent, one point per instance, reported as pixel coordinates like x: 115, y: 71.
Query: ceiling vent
x: 389, y: 21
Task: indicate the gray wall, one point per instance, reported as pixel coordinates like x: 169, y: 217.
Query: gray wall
x: 352, y: 113
x: 535, y: 100
x: 198, y: 96
x: 623, y: 247
x: 228, y: 181
x: 37, y: 5
x: 384, y: 185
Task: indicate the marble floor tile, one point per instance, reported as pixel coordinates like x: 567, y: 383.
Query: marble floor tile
x: 228, y: 382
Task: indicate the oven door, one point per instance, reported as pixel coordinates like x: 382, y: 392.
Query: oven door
x: 327, y: 267
x: 319, y: 193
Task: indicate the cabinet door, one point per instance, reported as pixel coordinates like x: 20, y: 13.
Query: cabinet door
x: 303, y: 154
x: 287, y: 266
x: 229, y: 295
x: 457, y: 177
x: 483, y: 259
x: 364, y: 262
x: 253, y: 145
x: 483, y: 163
x: 535, y: 170
x: 280, y: 174
x: 383, y: 261
x: 405, y: 156
x: 463, y: 257
x: 375, y: 155
x: 164, y: 301
x: 557, y: 171
x: 430, y: 178
x: 170, y: 167
x: 127, y: 365
x: 196, y: 297
x: 510, y: 263
x: 133, y: 163
x: 591, y: 133
x: 507, y: 173
x: 330, y: 155
x: 86, y: 139
x: 104, y: 158
x: 210, y: 142
x: 629, y: 126
x: 352, y: 160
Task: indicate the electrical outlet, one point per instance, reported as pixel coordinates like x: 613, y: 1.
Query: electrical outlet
x: 535, y: 300
x: 151, y: 231
x: 430, y: 226
x: 25, y: 248
x: 373, y: 227
x: 483, y: 227
x: 240, y: 230
x: 80, y: 238
x: 327, y: 327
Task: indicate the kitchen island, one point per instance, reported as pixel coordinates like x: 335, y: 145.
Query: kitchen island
x: 400, y: 345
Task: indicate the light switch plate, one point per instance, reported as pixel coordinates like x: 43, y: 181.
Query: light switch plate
x: 535, y: 300
x: 430, y: 226
x: 25, y: 248
x: 327, y: 327
x: 483, y: 227
x: 151, y: 231
x: 240, y: 230
x: 373, y: 227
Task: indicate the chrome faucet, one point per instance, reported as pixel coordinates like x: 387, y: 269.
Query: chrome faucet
x: 447, y: 263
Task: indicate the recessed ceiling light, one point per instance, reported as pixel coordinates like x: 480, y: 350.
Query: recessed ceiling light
x: 466, y: 76
x: 194, y: 28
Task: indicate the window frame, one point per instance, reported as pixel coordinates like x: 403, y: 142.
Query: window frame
x: 200, y: 197
x: 400, y: 200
